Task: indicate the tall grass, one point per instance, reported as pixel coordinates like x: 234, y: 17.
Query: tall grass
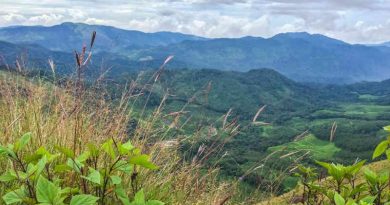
x: 71, y: 112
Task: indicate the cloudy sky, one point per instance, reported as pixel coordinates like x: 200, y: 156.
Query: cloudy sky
x: 355, y: 21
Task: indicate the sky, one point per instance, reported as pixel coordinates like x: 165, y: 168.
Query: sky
x: 354, y: 21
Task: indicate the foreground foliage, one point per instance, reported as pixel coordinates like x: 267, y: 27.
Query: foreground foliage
x: 345, y: 186
x: 96, y: 174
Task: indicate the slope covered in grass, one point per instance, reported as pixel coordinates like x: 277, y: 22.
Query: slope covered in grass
x: 55, y: 116
x: 318, y: 149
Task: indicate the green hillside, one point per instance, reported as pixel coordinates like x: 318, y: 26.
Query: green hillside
x: 291, y: 109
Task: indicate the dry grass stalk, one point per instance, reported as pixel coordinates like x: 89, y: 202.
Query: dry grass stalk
x: 333, y: 131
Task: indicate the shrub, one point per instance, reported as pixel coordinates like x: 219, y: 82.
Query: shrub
x: 344, y: 186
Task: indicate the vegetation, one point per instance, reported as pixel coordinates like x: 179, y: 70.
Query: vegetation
x: 185, y: 136
x: 343, y: 185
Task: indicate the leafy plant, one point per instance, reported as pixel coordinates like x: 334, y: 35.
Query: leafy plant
x: 100, y: 174
x: 342, y: 186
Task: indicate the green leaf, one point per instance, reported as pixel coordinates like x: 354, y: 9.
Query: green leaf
x: 380, y: 149
x: 116, y: 179
x: 41, y: 165
x: 121, y: 194
x: 83, y: 199
x: 123, y: 166
x: 16, y: 196
x: 83, y: 157
x: 126, y: 148
x: 387, y: 128
x: 139, y: 198
x: 368, y: 199
x: 108, y: 148
x: 47, y: 192
x: 154, y: 202
x: 8, y: 176
x: 22, y: 142
x: 94, y: 176
x: 324, y: 164
x: 143, y: 161
x: 7, y: 151
x: 339, y: 200
x: 67, y: 152
x: 75, y: 165
x: 62, y: 168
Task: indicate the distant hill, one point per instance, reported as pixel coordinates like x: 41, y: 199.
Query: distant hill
x: 243, y: 91
x: 299, y: 56
x: 386, y: 44
x: 70, y: 36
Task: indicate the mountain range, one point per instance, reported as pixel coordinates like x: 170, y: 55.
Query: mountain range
x: 300, y: 56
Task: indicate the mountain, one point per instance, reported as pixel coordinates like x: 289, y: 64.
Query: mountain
x: 300, y: 56
x: 67, y: 37
x: 386, y: 44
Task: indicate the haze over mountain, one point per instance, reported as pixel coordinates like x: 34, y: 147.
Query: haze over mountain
x: 300, y: 56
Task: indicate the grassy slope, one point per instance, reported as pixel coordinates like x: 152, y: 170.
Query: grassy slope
x: 319, y: 149
x: 47, y: 111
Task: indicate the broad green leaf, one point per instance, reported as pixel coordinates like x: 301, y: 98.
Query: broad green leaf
x: 351, y: 202
x: 8, y: 151
x: 356, y: 167
x: 123, y: 166
x: 387, y: 128
x: 16, y: 196
x: 84, y: 199
x: 69, y: 191
x: 139, y: 198
x: 8, y: 176
x: 339, y: 200
x: 94, y: 176
x: 121, y: 194
x: 22, y: 142
x: 22, y: 175
x: 75, y: 165
x: 83, y: 157
x: 108, y: 148
x: 47, y: 192
x: 324, y: 164
x: 154, y: 202
x: 116, y: 180
x: 62, y: 168
x: 380, y: 149
x: 67, y: 152
x: 143, y: 161
x: 370, y: 176
x: 369, y: 199
x: 41, y: 165
x: 126, y: 148
x: 31, y: 169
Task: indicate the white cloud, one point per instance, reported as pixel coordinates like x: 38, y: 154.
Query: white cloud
x: 357, y: 21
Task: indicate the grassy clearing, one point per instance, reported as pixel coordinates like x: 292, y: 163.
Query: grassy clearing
x: 367, y: 110
x: 369, y: 97
x: 318, y: 149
